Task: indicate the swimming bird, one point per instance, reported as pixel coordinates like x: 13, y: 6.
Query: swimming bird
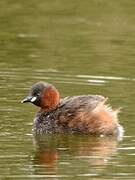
x: 84, y: 114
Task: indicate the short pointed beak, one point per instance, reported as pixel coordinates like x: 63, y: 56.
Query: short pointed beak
x: 27, y: 99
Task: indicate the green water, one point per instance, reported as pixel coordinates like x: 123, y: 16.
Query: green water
x: 82, y: 47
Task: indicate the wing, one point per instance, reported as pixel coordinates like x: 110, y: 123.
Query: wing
x: 80, y: 102
x: 71, y: 106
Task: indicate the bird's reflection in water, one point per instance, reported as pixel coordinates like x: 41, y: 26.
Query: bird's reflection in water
x: 46, y: 157
x: 53, y: 151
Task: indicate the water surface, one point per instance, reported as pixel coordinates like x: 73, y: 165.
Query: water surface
x: 82, y: 47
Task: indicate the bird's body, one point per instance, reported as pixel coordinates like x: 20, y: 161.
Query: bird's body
x: 86, y: 114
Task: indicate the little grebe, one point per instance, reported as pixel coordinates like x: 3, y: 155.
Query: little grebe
x: 86, y: 114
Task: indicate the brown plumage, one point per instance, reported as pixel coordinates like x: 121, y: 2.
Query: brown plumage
x: 86, y: 114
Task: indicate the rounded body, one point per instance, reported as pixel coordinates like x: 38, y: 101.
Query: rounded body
x: 79, y: 114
